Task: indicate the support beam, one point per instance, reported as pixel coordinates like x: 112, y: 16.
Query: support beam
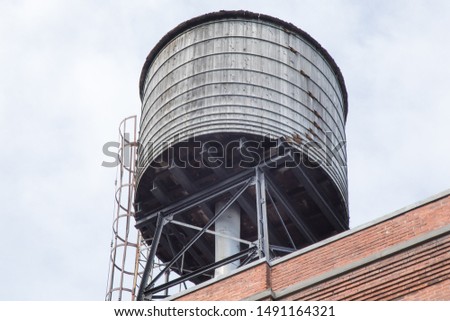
x: 189, y: 234
x: 182, y: 178
x: 263, y: 231
x: 282, y: 249
x: 281, y: 220
x: 200, y: 233
x: 312, y: 188
x: 245, y: 253
x: 211, y: 232
x: 190, y: 187
x: 158, y: 193
x: 164, y: 241
x: 161, y: 195
x: 246, y: 204
x: 296, y: 219
x: 151, y: 257
x: 199, y: 197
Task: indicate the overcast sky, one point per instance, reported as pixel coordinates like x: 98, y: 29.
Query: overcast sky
x: 69, y: 73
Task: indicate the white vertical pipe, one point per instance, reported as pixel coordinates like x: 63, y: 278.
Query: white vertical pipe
x: 229, y: 223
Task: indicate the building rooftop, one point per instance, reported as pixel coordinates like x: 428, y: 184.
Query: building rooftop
x: 402, y: 255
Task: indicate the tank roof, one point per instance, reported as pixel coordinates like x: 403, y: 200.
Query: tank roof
x: 226, y: 14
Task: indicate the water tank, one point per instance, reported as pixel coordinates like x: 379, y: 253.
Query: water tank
x: 222, y: 93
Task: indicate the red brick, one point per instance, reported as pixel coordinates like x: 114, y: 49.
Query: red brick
x: 418, y: 273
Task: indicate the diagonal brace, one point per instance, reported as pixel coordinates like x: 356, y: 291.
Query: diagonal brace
x: 200, y: 233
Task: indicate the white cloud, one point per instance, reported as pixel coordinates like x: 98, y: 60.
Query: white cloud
x: 69, y: 73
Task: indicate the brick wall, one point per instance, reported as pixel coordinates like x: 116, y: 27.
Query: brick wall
x: 434, y: 292
x: 417, y: 272
x: 361, y: 244
x: 236, y: 287
x: 392, y: 278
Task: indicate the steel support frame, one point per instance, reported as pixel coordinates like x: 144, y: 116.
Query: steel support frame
x: 172, y: 221
x: 299, y: 223
x: 249, y: 253
x: 151, y: 257
x: 168, y: 213
x: 161, y: 195
x: 281, y: 220
x: 313, y: 190
x: 261, y: 212
x: 197, y: 198
x: 244, y: 202
x: 265, y: 186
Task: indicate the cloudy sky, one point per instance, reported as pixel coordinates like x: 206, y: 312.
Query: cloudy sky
x: 69, y: 73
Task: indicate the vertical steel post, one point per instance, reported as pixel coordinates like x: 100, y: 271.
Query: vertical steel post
x: 261, y: 210
x: 149, y: 265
